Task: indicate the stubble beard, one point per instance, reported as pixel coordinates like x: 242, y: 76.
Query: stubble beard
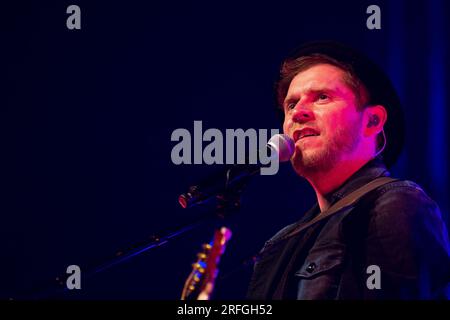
x: 344, y: 141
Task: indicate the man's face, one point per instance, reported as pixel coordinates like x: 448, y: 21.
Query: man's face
x: 321, y: 116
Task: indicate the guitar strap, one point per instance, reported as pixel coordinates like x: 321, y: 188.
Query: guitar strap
x: 345, y: 202
x: 262, y: 284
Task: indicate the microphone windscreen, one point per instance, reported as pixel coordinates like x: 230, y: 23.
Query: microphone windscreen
x: 283, y: 146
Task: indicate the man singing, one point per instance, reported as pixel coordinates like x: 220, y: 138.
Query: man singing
x: 368, y: 236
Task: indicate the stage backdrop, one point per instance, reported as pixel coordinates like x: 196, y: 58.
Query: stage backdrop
x: 87, y: 116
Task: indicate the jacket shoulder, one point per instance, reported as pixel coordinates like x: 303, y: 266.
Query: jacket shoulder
x: 403, y: 200
x: 408, y: 238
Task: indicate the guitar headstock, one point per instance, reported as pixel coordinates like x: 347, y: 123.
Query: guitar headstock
x: 200, y: 283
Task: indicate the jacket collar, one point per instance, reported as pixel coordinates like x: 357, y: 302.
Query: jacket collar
x: 371, y: 170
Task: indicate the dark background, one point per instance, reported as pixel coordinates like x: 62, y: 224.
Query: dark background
x: 87, y: 116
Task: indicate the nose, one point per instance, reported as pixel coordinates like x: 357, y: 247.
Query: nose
x: 302, y: 114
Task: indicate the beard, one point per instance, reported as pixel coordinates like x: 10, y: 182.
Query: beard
x: 343, y: 142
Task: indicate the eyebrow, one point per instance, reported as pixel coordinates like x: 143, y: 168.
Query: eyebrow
x: 315, y: 90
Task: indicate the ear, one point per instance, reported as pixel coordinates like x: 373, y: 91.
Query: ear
x: 374, y: 119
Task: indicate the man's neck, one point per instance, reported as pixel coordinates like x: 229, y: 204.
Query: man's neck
x: 325, y: 182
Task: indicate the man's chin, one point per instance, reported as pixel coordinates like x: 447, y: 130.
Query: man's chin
x: 307, y: 162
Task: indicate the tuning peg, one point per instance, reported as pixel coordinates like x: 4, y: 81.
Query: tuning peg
x: 201, y: 256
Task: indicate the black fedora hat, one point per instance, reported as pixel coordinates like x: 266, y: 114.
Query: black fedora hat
x: 380, y: 88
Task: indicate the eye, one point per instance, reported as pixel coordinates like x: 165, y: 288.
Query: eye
x: 322, y: 97
x: 291, y: 106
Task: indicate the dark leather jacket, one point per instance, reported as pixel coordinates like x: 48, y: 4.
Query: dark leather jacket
x: 397, y: 228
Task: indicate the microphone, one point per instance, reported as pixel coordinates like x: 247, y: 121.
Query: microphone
x: 280, y: 148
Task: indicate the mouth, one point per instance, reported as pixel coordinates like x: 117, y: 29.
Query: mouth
x: 304, y: 133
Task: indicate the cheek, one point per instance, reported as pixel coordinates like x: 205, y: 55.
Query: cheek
x: 334, y: 121
x: 286, y: 125
x: 342, y: 122
x: 333, y: 124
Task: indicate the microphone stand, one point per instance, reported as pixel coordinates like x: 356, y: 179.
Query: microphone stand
x: 227, y: 202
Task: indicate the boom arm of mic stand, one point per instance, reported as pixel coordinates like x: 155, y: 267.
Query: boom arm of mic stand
x: 121, y: 256
x: 227, y: 202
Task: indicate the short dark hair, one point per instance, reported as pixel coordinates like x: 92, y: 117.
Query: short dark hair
x: 291, y: 67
